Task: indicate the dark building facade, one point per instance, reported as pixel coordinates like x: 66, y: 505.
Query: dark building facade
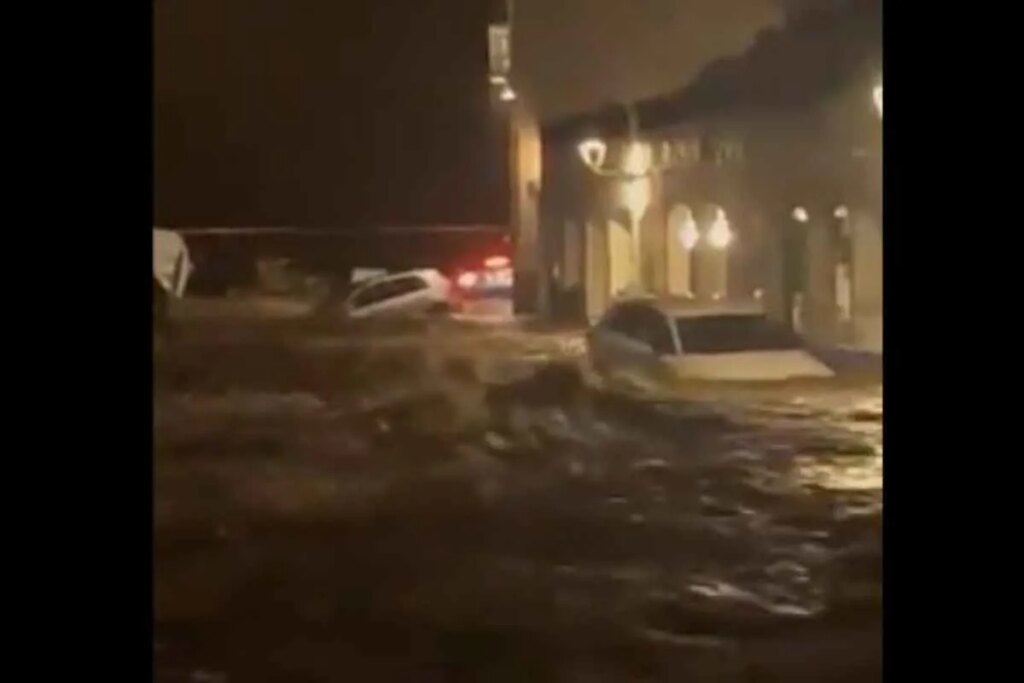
x: 761, y: 179
x: 361, y: 113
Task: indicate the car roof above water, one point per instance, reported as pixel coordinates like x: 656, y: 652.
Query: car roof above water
x: 431, y: 275
x: 685, y: 307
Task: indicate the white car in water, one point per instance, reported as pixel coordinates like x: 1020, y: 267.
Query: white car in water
x: 171, y: 263
x: 408, y: 293
x: 679, y: 339
x: 171, y: 270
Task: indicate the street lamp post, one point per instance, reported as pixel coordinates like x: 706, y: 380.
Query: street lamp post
x: 636, y: 170
x: 637, y: 161
x: 524, y: 164
x: 638, y: 167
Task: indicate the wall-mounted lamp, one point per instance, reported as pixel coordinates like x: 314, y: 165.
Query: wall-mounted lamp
x: 593, y: 151
x: 638, y: 157
x: 720, y: 234
x: 688, y: 234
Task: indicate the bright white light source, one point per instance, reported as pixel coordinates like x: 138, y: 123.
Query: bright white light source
x: 593, y: 151
x: 637, y: 160
x: 507, y: 94
x: 800, y: 214
x: 688, y: 234
x: 497, y: 262
x: 720, y: 234
x: 467, y: 280
x: 877, y: 97
x: 842, y: 212
x: 636, y: 196
x: 498, y: 79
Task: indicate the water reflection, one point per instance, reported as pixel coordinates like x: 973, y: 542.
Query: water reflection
x: 450, y: 500
x: 840, y: 474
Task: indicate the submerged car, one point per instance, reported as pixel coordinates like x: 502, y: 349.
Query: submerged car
x: 409, y: 293
x: 680, y: 339
x: 171, y: 270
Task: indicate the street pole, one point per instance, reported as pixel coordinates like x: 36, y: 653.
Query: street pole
x: 524, y: 178
x: 524, y: 192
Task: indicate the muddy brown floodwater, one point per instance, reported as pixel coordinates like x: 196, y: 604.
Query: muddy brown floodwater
x: 468, y: 509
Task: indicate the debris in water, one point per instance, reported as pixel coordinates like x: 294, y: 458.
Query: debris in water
x: 651, y: 464
x: 659, y: 636
x: 496, y: 441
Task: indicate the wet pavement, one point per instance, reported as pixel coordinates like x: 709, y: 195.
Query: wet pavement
x: 468, y: 506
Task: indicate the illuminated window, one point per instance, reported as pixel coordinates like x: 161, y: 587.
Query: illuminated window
x: 687, y: 150
x: 728, y: 152
x: 499, y: 50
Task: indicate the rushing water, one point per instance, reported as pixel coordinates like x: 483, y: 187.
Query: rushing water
x: 459, y: 520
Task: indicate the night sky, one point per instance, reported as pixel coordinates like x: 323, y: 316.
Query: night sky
x: 360, y: 113
x: 578, y: 54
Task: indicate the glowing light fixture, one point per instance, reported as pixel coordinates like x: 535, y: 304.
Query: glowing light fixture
x: 720, y: 234
x: 800, y: 215
x: 507, y: 94
x: 593, y: 152
x: 467, y: 280
x: 688, y: 234
x: 876, y: 95
x: 842, y: 212
x: 497, y: 262
x: 637, y: 160
x: 636, y: 196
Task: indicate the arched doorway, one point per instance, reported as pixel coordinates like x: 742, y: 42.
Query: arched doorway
x: 794, y: 265
x: 622, y: 257
x: 681, y: 239
x: 710, y: 258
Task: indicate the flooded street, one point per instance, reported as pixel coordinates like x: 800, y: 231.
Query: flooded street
x: 472, y: 506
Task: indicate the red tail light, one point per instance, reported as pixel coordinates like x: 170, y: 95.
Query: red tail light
x: 467, y: 280
x: 497, y: 262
